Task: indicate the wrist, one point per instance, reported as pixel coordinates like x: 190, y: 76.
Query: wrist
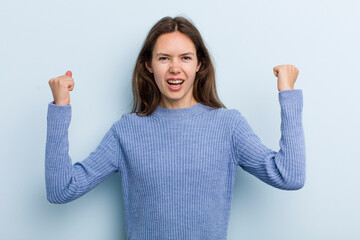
x: 285, y: 88
x: 61, y: 103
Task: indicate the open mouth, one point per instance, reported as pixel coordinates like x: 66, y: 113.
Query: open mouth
x: 175, y: 83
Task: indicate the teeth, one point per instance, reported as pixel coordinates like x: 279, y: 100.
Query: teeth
x: 175, y: 81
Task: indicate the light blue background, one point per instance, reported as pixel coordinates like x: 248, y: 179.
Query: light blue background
x: 99, y: 42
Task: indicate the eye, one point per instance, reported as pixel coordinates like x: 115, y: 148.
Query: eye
x: 187, y: 58
x: 163, y: 58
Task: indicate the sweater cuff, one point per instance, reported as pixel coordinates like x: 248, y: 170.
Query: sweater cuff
x: 57, y: 112
x: 293, y: 96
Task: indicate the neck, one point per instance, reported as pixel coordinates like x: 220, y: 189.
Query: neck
x: 165, y: 103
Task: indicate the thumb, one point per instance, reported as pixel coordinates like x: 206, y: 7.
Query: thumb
x: 276, y: 71
x: 69, y: 73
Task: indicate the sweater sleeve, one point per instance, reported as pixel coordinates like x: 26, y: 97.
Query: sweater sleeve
x: 284, y: 169
x: 66, y: 181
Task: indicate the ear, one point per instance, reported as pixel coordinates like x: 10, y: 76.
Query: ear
x: 148, y: 67
x: 198, y: 66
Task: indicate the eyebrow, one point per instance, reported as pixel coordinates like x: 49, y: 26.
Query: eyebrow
x: 164, y: 54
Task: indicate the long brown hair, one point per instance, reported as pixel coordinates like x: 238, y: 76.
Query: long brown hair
x: 146, y: 94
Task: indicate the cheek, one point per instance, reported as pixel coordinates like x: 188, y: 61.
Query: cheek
x: 159, y: 75
x: 191, y: 72
x: 159, y: 72
x: 158, y: 79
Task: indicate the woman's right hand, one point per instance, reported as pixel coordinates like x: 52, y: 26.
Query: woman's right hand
x: 60, y: 88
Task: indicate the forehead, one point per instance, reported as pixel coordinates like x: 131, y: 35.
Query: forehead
x: 174, y: 42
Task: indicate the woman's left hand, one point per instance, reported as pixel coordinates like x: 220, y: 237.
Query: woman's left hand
x: 286, y: 75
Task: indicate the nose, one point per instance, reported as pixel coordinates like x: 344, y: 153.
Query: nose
x: 175, y: 67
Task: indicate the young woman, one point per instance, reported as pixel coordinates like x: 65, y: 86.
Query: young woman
x: 179, y: 149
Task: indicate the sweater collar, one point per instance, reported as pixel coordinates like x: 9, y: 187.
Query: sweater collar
x: 181, y: 112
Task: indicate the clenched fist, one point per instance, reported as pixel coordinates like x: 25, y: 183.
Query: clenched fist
x: 60, y: 88
x: 286, y: 75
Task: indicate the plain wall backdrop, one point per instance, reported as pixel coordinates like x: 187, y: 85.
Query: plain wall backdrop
x: 99, y: 42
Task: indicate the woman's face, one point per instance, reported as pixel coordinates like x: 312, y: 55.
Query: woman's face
x: 174, y: 64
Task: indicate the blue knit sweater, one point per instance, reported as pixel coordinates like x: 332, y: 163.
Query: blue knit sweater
x: 177, y: 166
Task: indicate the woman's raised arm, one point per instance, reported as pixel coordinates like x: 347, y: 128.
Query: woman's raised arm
x: 284, y: 169
x: 64, y: 181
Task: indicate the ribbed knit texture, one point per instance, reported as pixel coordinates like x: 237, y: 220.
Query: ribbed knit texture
x: 177, y: 166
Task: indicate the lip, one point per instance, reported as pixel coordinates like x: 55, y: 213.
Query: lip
x: 175, y: 79
x: 173, y: 88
